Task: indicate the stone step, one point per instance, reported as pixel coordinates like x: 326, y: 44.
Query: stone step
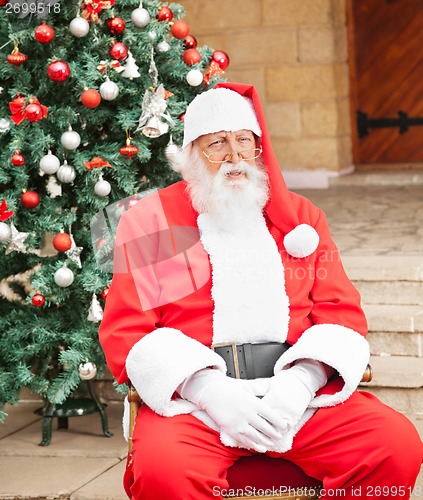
x: 390, y: 292
x: 364, y: 268
x: 396, y: 344
x: 394, y: 318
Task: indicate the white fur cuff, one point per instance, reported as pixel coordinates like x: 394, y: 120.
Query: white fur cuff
x: 160, y: 361
x: 339, y: 347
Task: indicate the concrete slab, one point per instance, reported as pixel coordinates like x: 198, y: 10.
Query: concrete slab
x: 108, y: 486
x: 83, y: 438
x: 18, y: 417
x: 384, y: 267
x: 48, y: 477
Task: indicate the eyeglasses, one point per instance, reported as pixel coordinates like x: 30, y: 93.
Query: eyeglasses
x: 224, y: 157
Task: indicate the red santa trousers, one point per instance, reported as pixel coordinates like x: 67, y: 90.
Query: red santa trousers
x: 358, y: 449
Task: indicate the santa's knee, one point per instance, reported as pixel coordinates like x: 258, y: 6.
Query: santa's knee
x: 396, y: 448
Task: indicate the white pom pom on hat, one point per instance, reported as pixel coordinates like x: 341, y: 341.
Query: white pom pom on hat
x: 302, y: 241
x: 216, y: 110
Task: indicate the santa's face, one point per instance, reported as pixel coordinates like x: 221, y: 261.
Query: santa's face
x: 228, y: 150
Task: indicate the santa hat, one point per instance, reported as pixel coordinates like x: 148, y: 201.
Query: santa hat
x: 237, y: 106
x: 216, y: 110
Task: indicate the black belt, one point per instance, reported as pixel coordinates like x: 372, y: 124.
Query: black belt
x: 249, y: 361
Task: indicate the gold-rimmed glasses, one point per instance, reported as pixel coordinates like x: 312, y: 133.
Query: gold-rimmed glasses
x: 225, y: 157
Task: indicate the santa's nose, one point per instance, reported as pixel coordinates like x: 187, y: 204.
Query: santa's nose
x: 233, y: 157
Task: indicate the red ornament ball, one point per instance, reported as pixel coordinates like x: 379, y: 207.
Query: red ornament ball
x: 44, y: 33
x: 116, y: 25
x: 17, y: 159
x: 221, y: 58
x: 128, y: 150
x: 33, y: 112
x: 165, y: 14
x: 90, y: 98
x: 58, y: 71
x: 30, y: 199
x: 105, y: 292
x: 38, y: 300
x: 118, y: 51
x: 62, y: 242
x: 190, y: 42
x: 179, y: 29
x: 191, y: 56
x: 3, y: 3
x: 182, y: 117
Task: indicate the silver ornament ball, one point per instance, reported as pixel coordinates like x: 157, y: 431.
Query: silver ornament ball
x: 49, y: 163
x: 140, y: 17
x: 162, y: 47
x: 5, y: 232
x: 102, y: 188
x: 66, y: 173
x: 79, y: 27
x: 87, y: 370
x: 109, y: 90
x: 63, y: 277
x: 70, y: 139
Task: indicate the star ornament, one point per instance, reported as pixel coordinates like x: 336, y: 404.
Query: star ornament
x: 17, y: 241
x: 74, y: 253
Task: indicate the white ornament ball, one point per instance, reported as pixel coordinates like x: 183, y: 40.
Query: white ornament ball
x: 109, y: 90
x: 5, y: 232
x: 162, y: 47
x: 49, y: 163
x: 194, y: 77
x: 140, y: 17
x: 152, y: 35
x: 70, y: 139
x: 63, y: 277
x: 87, y: 370
x: 66, y: 173
x: 102, y: 188
x: 79, y: 27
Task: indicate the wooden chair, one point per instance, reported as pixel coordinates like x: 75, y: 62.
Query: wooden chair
x: 257, y: 474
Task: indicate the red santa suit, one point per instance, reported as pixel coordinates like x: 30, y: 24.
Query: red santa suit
x: 182, y: 284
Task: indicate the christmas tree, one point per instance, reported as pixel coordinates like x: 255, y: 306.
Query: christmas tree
x: 91, y: 94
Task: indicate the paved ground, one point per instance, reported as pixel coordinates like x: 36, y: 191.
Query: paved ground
x: 81, y: 464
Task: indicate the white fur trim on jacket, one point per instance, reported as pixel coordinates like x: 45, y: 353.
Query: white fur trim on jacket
x: 339, y: 347
x: 162, y: 360
x: 248, y: 281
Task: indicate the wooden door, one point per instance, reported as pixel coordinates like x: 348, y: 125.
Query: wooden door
x: 386, y: 68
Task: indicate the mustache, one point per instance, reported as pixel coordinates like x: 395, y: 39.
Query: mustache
x: 241, y: 166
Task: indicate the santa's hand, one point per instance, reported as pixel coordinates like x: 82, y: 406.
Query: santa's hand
x: 292, y: 390
x: 237, y: 411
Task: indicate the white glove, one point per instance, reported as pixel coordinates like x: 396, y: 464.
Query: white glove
x: 232, y: 404
x: 292, y: 390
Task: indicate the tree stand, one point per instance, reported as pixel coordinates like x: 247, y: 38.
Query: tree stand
x: 72, y: 407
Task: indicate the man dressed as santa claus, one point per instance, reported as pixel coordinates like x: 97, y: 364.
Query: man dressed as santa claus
x: 232, y: 316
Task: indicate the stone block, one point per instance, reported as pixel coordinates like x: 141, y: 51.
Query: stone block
x: 296, y: 12
x: 339, y: 11
x: 345, y: 158
x: 342, y: 80
x: 206, y: 17
x: 403, y: 400
x: 319, y: 119
x: 253, y: 75
x: 307, y: 153
x: 283, y: 119
x: 396, y: 344
x: 263, y: 46
x: 397, y: 371
x: 301, y: 83
x: 316, y: 45
x: 344, y: 116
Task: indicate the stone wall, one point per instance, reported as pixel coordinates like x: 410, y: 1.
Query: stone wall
x: 295, y: 52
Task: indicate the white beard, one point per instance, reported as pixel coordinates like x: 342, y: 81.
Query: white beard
x: 228, y: 201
